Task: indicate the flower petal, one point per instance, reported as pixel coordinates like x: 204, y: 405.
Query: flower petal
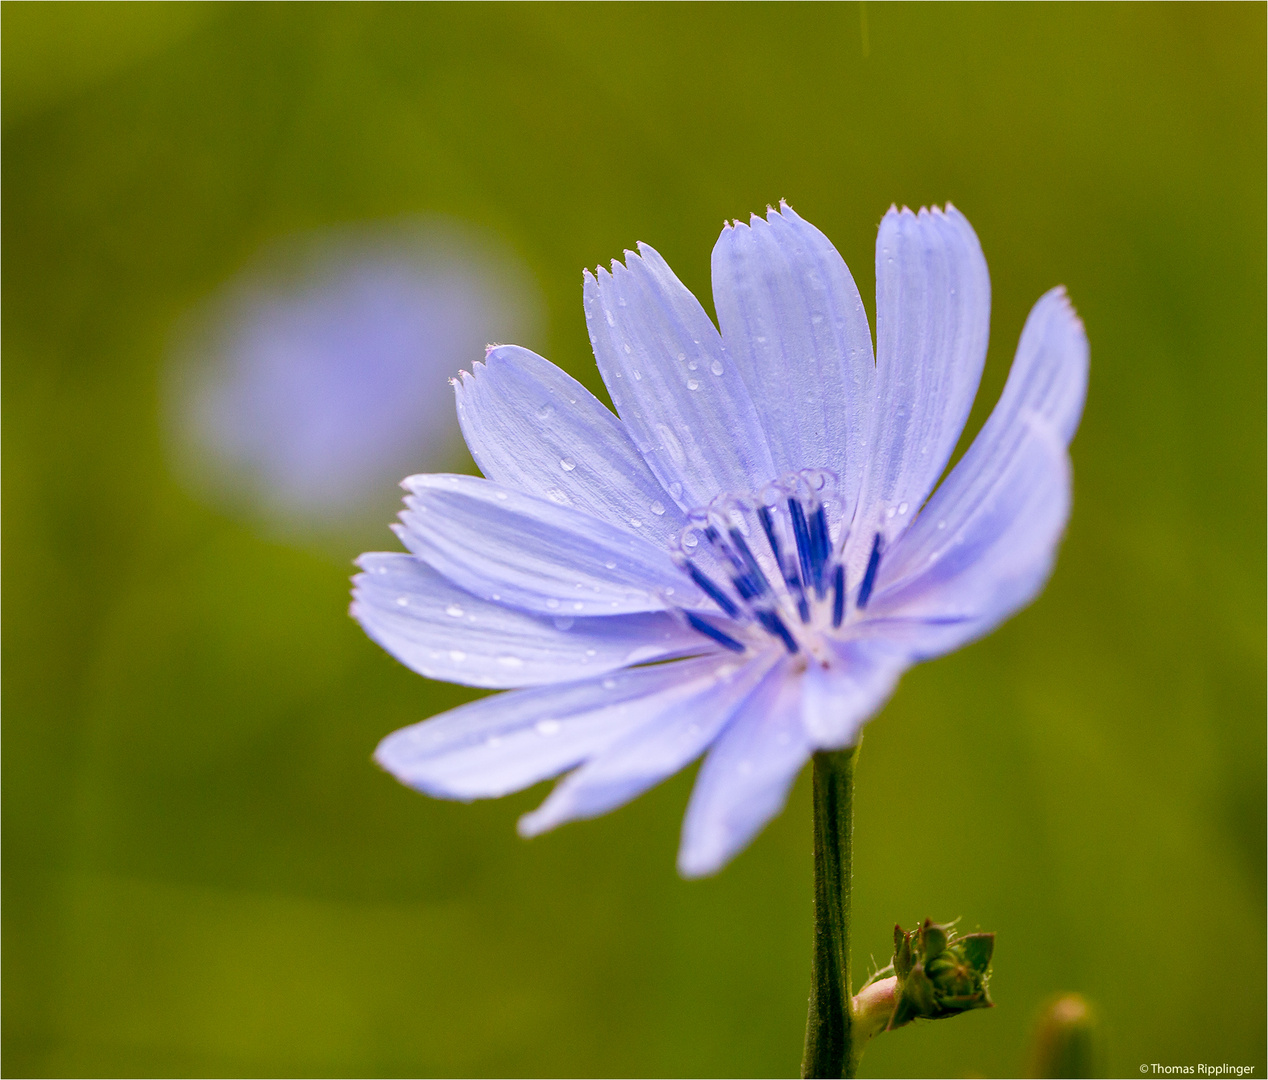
x: 506, y: 742
x: 517, y: 549
x: 933, y: 306
x: 532, y: 427
x: 664, y: 743
x: 981, y: 551
x: 793, y: 322
x: 1048, y: 379
x: 744, y: 781
x: 1042, y: 402
x: 681, y: 396
x: 838, y: 699
x: 443, y: 632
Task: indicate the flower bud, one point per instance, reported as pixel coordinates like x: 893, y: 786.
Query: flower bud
x: 1065, y: 1041
x: 939, y: 973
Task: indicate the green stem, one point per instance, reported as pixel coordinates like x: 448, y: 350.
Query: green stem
x: 829, y: 1025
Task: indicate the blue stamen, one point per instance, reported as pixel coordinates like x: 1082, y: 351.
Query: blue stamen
x: 787, y: 567
x: 710, y: 631
x: 715, y: 538
x: 768, y: 527
x: 838, y: 596
x: 869, y: 576
x: 754, y: 571
x: 795, y: 586
x: 713, y: 591
x: 819, y: 544
x: 775, y: 625
x: 802, y: 534
x: 745, y: 586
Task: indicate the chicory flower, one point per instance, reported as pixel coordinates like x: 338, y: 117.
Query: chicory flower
x: 743, y: 561
x: 306, y: 386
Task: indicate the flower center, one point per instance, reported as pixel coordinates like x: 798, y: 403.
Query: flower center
x: 772, y: 562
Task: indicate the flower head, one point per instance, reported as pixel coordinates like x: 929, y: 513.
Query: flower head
x: 761, y: 514
x: 310, y: 379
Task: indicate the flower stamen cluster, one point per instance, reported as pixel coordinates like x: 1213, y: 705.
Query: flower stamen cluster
x: 778, y: 563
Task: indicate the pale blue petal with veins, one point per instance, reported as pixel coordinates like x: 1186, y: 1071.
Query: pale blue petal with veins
x: 742, y: 562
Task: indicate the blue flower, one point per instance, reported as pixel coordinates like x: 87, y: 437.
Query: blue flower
x: 744, y: 563
x: 306, y: 386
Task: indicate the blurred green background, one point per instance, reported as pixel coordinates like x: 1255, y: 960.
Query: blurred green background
x: 203, y: 872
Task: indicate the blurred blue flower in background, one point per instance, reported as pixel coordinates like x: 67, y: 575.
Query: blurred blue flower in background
x: 311, y: 383
x: 757, y: 514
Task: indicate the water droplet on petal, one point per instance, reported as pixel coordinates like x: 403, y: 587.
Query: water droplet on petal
x: 692, y: 365
x: 548, y: 727
x: 564, y: 622
x: 638, y: 376
x: 716, y: 367
x: 658, y: 507
x: 502, y: 496
x: 493, y: 740
x: 675, y: 489
x: 455, y: 611
x: 552, y: 603
x: 402, y: 601
x: 545, y: 412
x: 567, y: 464
x: 693, y: 384
x: 609, y: 684
x: 902, y: 508
x: 636, y: 522
x: 510, y: 661
x: 610, y: 565
x: 457, y: 655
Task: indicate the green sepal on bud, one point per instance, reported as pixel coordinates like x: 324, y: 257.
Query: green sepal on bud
x: 939, y: 973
